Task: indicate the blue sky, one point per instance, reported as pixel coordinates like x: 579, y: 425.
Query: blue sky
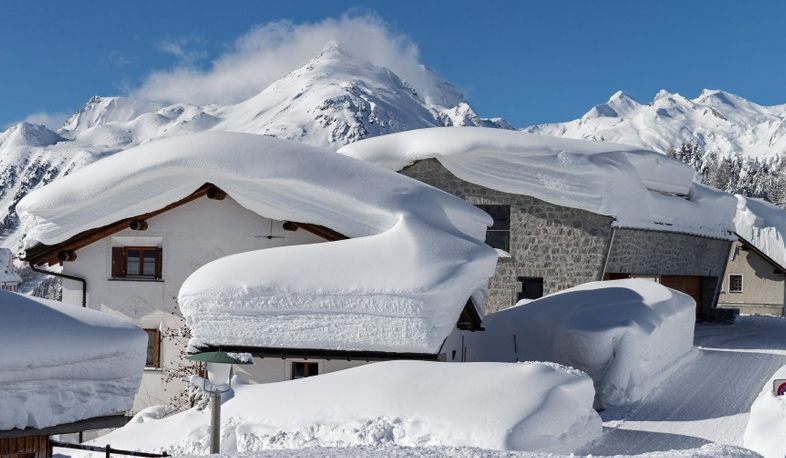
x: 528, y: 62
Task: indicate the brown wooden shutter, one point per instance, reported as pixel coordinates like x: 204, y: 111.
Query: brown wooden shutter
x: 159, y: 262
x: 118, y: 262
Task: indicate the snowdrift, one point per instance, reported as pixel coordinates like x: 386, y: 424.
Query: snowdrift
x: 641, y: 189
x: 763, y: 225
x: 624, y: 334
x: 529, y: 406
x: 765, y: 431
x: 399, y: 285
x: 61, y: 363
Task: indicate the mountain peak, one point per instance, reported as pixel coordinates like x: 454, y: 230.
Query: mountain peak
x: 26, y: 134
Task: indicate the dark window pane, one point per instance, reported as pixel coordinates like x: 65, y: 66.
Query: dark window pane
x: 132, y: 261
x: 149, y: 263
x: 498, y: 239
x: 530, y: 287
x: 152, y: 335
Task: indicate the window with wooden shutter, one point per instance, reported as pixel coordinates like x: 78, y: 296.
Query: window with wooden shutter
x: 137, y: 262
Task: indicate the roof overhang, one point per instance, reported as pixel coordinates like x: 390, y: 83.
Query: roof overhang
x: 319, y: 353
x: 761, y: 254
x: 108, y: 421
x: 55, y: 254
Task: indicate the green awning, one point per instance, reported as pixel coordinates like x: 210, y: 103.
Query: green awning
x: 219, y: 357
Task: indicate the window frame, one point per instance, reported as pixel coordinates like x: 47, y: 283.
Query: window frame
x: 731, y: 283
x: 156, y: 334
x: 306, y: 371
x: 120, y: 262
x: 504, y: 231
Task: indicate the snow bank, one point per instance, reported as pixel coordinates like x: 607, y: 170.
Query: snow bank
x: 641, y: 189
x: 766, y: 430
x: 399, y: 285
x: 61, y: 363
x: 530, y: 406
x: 623, y: 333
x: 707, y: 451
x: 763, y: 225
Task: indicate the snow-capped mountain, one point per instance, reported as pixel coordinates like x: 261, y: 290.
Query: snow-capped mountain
x: 332, y: 100
x: 718, y: 121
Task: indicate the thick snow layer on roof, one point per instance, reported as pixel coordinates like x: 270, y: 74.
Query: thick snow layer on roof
x: 640, y: 188
x: 61, y: 363
x: 765, y: 430
x: 399, y: 285
x: 763, y: 225
x: 624, y: 333
x: 530, y: 406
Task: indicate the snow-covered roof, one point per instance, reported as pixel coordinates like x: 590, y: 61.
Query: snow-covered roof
x: 639, y: 188
x: 8, y: 271
x: 61, y: 363
x: 399, y: 285
x: 763, y: 225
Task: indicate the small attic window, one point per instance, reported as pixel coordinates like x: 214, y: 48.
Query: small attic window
x: 735, y: 283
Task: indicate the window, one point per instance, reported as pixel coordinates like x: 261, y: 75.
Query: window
x: 153, y: 348
x: 529, y: 288
x: 735, y: 283
x: 498, y: 235
x: 302, y: 369
x: 136, y: 262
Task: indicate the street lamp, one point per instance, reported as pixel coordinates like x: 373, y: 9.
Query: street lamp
x: 218, y: 381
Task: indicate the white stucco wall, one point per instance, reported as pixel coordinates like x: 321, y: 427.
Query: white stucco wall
x: 191, y: 236
x: 763, y: 284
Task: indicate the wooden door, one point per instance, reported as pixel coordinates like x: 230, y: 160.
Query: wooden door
x: 690, y: 285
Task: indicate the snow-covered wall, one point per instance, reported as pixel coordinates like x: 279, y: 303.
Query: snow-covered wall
x: 61, y: 363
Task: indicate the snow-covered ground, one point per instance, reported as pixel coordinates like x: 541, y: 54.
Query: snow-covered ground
x: 707, y: 400
x: 766, y: 431
x: 702, y: 410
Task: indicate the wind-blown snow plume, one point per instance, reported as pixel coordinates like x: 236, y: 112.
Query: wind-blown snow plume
x: 270, y: 51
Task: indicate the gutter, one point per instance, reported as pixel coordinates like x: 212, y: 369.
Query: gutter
x: 608, y: 252
x: 69, y: 277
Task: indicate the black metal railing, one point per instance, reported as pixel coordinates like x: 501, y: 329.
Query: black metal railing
x: 108, y: 451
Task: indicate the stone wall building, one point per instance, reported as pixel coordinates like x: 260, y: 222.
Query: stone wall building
x: 754, y: 282
x: 545, y: 248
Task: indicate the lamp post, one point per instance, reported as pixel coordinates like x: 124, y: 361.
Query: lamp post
x: 217, y: 382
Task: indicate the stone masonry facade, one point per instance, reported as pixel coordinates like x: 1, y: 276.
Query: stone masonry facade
x: 564, y: 246
x: 567, y: 246
x: 667, y: 253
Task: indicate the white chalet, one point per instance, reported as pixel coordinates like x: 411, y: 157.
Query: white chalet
x: 405, y: 269
x: 9, y: 275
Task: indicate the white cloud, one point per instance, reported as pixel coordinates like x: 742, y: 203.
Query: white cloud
x: 180, y: 49
x: 52, y: 121
x: 270, y: 51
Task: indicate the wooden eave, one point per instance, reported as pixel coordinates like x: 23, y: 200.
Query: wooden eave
x: 470, y: 320
x: 319, y: 353
x: 109, y: 421
x: 48, y: 254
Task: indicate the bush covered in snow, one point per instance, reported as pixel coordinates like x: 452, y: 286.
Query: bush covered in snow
x: 622, y: 333
x: 766, y: 430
